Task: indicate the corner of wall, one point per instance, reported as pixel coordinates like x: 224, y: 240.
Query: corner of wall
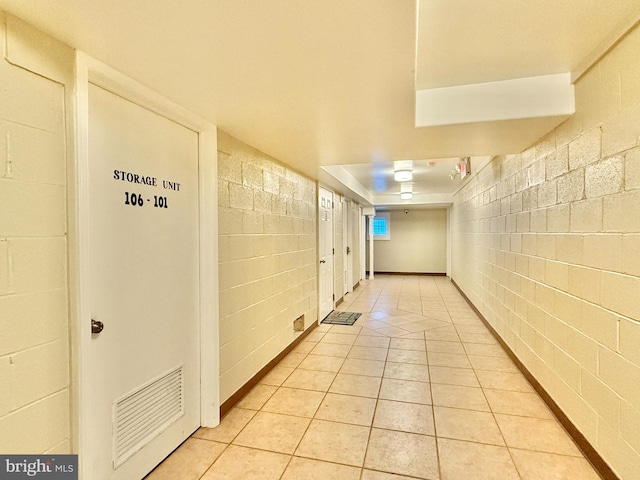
x: 33, y: 50
x: 34, y: 295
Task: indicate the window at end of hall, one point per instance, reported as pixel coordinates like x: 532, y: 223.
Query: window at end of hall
x: 382, y: 226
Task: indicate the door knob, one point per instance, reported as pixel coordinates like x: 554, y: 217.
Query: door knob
x: 323, y: 261
x: 348, y: 250
x: 96, y: 326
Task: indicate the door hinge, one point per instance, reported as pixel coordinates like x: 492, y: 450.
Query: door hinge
x: 334, y: 296
x: 333, y: 250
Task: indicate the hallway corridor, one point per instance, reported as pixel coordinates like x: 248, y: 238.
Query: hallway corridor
x: 417, y: 388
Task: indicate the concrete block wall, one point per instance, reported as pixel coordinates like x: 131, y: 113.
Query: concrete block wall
x: 267, y: 259
x: 34, y: 325
x: 546, y: 244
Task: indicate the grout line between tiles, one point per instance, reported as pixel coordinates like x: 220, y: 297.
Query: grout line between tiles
x: 427, y: 290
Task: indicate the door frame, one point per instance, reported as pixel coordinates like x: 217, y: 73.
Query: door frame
x: 332, y: 247
x: 363, y: 245
x: 346, y: 211
x: 347, y: 242
x: 349, y: 239
x: 89, y: 70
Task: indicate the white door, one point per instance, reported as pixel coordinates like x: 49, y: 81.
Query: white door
x: 144, y: 267
x: 347, y: 233
x: 325, y: 252
x: 345, y: 245
x: 362, y: 235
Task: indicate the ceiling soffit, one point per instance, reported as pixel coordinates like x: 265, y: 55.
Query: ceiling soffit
x: 484, y: 64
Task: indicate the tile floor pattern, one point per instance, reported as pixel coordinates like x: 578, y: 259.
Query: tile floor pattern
x: 416, y: 389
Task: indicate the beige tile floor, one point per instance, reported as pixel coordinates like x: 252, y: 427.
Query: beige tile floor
x: 417, y: 388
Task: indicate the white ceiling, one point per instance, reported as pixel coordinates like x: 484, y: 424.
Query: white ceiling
x: 333, y: 82
x: 484, y: 41
x: 432, y: 184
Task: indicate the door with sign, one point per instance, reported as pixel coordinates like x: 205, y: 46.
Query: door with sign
x: 144, y: 285
x: 325, y: 252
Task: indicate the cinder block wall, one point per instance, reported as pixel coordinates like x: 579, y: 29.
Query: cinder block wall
x: 34, y: 326
x: 547, y: 246
x: 268, y: 259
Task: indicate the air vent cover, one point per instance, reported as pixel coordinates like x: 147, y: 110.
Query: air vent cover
x: 143, y: 414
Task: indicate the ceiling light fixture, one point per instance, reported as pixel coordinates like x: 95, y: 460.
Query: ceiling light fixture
x: 402, y: 175
x: 403, y: 170
x: 406, y: 191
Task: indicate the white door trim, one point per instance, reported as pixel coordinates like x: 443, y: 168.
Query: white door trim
x: 346, y: 211
x: 349, y: 241
x: 449, y: 242
x: 331, y: 273
x: 363, y: 245
x: 348, y: 208
x: 89, y: 70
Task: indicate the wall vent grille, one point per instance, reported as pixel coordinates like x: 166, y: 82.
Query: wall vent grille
x: 143, y: 414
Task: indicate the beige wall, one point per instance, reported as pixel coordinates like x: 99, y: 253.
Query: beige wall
x: 547, y: 246
x: 267, y: 252
x: 268, y: 259
x: 418, y: 243
x: 34, y: 318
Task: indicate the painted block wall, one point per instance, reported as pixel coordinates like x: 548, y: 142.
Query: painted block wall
x: 418, y: 243
x: 267, y: 258
x: 546, y: 244
x: 34, y: 325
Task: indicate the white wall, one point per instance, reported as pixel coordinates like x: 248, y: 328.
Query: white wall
x: 547, y: 245
x: 418, y: 243
x: 267, y: 256
x: 34, y: 312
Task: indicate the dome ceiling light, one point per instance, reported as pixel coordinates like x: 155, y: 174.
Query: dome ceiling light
x: 403, y: 175
x: 406, y: 191
x: 403, y: 170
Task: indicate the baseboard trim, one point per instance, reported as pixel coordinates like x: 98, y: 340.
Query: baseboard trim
x: 583, y: 444
x: 228, y: 404
x: 426, y: 274
x: 339, y: 301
